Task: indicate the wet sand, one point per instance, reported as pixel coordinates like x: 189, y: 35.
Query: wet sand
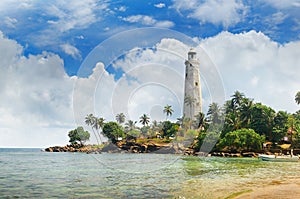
x: 280, y: 190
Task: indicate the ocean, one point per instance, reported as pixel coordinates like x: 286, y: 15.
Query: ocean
x: 32, y: 173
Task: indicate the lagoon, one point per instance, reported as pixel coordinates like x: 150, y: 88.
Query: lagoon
x: 31, y: 173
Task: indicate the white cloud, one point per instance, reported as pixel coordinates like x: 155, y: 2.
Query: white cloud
x: 224, y: 12
x: 6, y: 6
x: 39, y: 101
x: 77, y: 14
x: 261, y: 68
x: 35, y: 95
x: 121, y: 8
x: 10, y: 22
x: 71, y: 50
x: 148, y: 21
x: 283, y: 4
x: 160, y: 5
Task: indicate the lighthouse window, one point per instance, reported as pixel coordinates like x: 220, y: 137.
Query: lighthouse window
x: 196, y: 83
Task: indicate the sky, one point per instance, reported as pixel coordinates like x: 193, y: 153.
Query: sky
x: 61, y: 60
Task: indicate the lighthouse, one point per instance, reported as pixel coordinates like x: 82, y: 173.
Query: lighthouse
x: 192, y: 89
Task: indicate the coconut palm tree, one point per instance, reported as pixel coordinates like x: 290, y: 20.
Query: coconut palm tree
x: 130, y: 125
x: 168, y: 110
x: 90, y: 120
x: 190, y: 101
x: 187, y: 123
x: 120, y: 118
x: 297, y: 97
x: 180, y: 121
x: 99, y: 123
x: 214, y: 113
x: 245, y: 115
x: 237, y: 98
x: 199, y: 121
x: 144, y: 120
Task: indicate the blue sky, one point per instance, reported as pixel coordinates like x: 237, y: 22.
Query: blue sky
x: 61, y: 60
x: 72, y: 32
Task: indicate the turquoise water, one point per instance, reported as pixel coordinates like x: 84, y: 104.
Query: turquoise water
x: 31, y: 173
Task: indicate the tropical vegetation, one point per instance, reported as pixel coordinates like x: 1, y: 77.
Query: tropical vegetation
x: 78, y: 135
x: 240, y: 124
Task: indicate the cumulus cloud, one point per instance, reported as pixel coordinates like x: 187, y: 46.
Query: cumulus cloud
x: 35, y: 94
x: 148, y: 21
x: 77, y: 14
x: 71, y: 50
x: 219, y: 12
x: 283, y: 4
x: 40, y: 103
x: 261, y: 68
x: 160, y: 5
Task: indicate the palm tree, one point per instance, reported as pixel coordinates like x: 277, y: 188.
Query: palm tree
x: 180, y: 121
x: 245, y: 115
x: 168, y: 110
x: 237, y: 98
x: 156, y: 126
x: 190, y: 101
x: 297, y: 97
x: 90, y: 120
x: 120, y: 118
x: 214, y: 113
x: 130, y: 125
x: 200, y: 121
x: 144, y: 120
x: 99, y: 123
x: 187, y: 123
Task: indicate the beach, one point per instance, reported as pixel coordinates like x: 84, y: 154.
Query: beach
x: 287, y: 189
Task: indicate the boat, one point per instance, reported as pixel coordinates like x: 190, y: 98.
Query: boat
x: 279, y: 158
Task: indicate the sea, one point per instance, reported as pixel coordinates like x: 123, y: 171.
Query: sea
x: 32, y: 173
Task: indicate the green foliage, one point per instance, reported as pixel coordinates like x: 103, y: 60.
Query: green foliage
x: 120, y: 118
x: 96, y: 124
x: 78, y: 135
x: 242, y: 139
x: 297, y: 97
x: 168, y: 110
x: 214, y: 113
x: 144, y: 130
x: 210, y: 139
x: 144, y: 119
x: 191, y: 134
x: 130, y: 125
x: 280, y: 126
x: 169, y: 129
x: 133, y: 134
x: 189, y: 101
x: 262, y: 120
x: 200, y: 122
x: 113, y: 131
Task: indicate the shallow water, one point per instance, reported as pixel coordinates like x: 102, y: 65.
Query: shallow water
x: 31, y: 173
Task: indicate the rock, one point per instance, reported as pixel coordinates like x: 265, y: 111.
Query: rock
x: 111, y: 148
x: 250, y: 154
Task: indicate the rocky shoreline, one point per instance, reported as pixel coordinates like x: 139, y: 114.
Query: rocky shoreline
x: 150, y: 147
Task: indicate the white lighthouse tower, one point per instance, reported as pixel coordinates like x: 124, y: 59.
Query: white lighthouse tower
x: 192, y: 89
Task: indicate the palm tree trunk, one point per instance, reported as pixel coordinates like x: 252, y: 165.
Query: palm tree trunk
x: 95, y: 135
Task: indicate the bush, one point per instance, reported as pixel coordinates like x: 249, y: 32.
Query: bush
x: 242, y: 139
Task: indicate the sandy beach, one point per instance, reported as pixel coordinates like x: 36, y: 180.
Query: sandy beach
x: 278, y: 189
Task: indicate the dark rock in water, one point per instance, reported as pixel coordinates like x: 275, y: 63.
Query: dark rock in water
x: 250, y: 154
x: 111, y: 148
x: 166, y: 150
